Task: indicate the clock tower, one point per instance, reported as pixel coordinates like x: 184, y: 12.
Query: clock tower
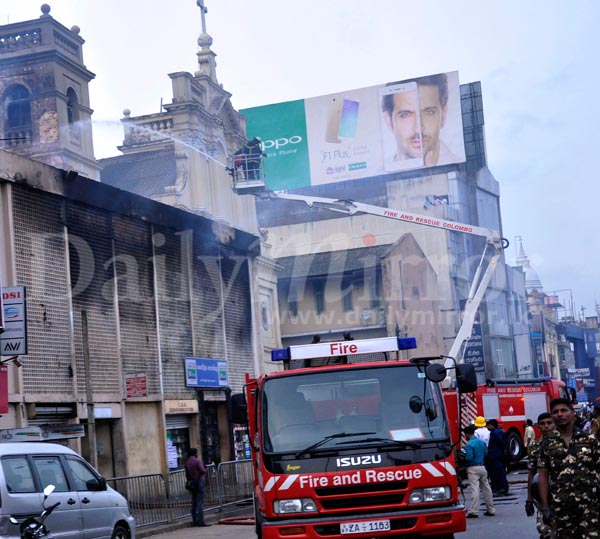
x: 44, y: 95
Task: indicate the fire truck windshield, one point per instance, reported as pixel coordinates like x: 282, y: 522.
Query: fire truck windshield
x: 393, y: 406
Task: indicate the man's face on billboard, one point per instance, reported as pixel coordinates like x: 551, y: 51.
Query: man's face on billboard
x: 404, y: 123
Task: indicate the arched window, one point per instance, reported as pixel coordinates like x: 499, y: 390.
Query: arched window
x: 72, y: 107
x: 73, y: 116
x: 17, y: 107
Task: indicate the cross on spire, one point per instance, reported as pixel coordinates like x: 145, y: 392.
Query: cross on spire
x: 203, y: 12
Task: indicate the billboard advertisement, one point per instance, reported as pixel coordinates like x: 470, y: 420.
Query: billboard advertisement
x: 394, y: 127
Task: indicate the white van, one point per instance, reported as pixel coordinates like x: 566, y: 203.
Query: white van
x: 89, y: 509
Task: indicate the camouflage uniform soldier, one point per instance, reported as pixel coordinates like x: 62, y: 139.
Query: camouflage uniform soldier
x: 571, y: 459
x: 546, y: 425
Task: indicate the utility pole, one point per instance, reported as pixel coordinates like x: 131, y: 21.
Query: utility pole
x: 89, y: 395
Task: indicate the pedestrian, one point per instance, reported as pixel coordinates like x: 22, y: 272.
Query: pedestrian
x: 546, y: 425
x: 481, y: 431
x: 194, y: 474
x: 569, y: 476
x: 477, y: 474
x: 495, y: 461
x: 595, y: 421
x: 529, y: 436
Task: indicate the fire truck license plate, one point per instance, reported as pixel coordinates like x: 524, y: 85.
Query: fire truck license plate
x: 365, y: 527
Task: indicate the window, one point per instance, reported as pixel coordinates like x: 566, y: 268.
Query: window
x: 375, y: 291
x: 83, y: 477
x: 346, y: 289
x: 51, y: 472
x: 17, y: 107
x: 17, y: 475
x: 72, y: 107
x: 319, y: 291
x: 293, y: 303
x: 73, y: 116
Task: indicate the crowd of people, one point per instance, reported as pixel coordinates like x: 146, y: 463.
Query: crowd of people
x: 563, y: 485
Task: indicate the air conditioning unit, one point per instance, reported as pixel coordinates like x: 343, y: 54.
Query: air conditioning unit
x: 372, y: 317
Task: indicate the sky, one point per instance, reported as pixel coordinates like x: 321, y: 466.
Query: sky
x: 535, y: 59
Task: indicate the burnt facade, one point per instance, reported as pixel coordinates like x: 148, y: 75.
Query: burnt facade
x: 137, y: 287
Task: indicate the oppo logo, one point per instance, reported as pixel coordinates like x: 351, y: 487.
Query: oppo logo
x: 343, y: 462
x: 280, y: 142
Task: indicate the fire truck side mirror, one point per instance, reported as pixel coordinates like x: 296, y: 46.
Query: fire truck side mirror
x: 466, y: 379
x: 239, y: 409
x: 435, y: 372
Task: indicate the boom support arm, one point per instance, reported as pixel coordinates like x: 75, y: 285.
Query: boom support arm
x: 493, y: 249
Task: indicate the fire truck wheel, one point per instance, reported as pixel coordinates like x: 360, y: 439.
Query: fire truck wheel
x: 515, y: 447
x: 258, y: 520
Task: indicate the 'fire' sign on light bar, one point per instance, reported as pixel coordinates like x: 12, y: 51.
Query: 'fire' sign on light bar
x: 344, y: 348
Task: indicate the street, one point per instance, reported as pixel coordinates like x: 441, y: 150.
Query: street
x: 510, y: 520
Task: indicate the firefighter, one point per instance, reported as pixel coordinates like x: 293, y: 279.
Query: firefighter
x: 570, y: 460
x: 481, y: 430
x: 546, y: 425
x: 254, y: 154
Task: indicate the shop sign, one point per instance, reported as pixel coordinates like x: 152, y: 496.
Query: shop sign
x: 13, y: 340
x: 578, y: 373
x: 3, y: 389
x: 136, y: 385
x: 184, y: 406
x: 204, y: 372
x: 214, y: 396
x: 44, y: 433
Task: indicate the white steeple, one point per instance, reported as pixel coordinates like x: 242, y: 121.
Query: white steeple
x: 532, y: 280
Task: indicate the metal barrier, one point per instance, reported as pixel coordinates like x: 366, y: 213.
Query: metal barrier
x: 152, y: 501
x: 146, y: 496
x: 235, y: 482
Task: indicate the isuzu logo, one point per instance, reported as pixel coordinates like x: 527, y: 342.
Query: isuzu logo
x: 343, y: 462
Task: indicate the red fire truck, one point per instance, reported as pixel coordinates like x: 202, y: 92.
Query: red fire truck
x: 357, y: 447
x: 511, y: 402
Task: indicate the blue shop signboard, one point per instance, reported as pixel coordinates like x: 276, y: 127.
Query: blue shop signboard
x: 204, y: 372
x: 473, y: 353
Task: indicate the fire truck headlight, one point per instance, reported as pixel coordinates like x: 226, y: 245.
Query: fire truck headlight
x: 296, y: 505
x: 431, y: 494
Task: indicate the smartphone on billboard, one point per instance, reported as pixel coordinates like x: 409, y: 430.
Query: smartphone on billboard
x: 401, y: 133
x: 334, y: 116
x: 349, y: 119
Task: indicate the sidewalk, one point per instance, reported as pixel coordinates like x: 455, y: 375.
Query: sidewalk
x: 184, y: 530
x: 221, y: 531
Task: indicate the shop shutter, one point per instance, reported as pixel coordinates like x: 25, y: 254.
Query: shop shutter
x: 177, y: 421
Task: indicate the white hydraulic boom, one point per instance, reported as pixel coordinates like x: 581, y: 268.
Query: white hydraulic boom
x: 492, y: 251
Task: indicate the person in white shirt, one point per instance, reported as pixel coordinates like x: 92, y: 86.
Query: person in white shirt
x: 529, y: 433
x: 481, y: 431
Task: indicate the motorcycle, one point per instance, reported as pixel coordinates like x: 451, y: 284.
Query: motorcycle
x: 34, y: 527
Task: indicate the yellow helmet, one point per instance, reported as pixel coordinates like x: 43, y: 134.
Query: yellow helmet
x: 480, y: 422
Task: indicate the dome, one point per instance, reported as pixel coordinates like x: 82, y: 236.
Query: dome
x: 532, y: 280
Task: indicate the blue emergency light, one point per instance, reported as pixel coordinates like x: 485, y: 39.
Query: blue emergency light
x: 406, y: 343
x: 280, y: 354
